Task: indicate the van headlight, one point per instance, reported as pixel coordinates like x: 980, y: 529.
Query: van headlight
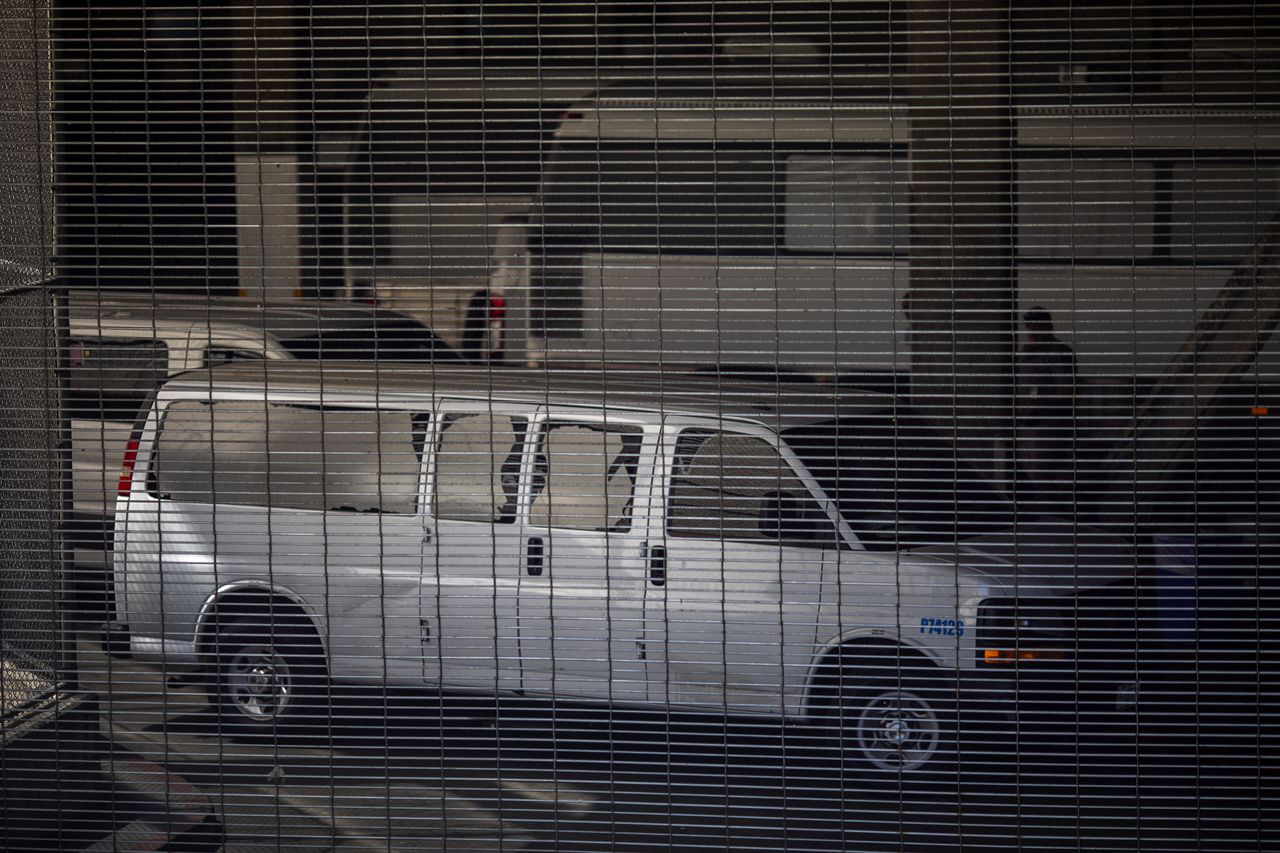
x: 1024, y: 629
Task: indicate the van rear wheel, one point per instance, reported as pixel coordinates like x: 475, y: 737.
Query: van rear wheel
x: 266, y: 677
x: 891, y: 728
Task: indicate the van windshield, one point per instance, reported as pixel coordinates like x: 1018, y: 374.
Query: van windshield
x: 387, y: 338
x: 899, y: 483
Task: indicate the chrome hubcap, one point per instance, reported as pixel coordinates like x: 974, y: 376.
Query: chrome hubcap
x: 898, y: 731
x: 259, y: 684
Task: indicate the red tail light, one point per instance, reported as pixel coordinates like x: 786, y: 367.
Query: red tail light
x: 497, y: 308
x: 495, y: 323
x: 126, y: 468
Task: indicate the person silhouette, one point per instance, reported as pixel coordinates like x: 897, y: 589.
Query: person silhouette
x: 1046, y: 388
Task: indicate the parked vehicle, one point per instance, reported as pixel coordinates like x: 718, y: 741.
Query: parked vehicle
x: 713, y: 221
x: 121, y: 345
x: 437, y: 181
x: 440, y: 260
x: 697, y: 544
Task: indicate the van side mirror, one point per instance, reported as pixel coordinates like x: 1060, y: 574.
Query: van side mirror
x: 786, y: 516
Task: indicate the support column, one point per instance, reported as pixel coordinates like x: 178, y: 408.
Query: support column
x: 961, y: 299
x: 272, y: 89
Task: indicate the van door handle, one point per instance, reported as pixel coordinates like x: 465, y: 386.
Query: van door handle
x: 426, y: 535
x: 658, y: 565
x: 533, y: 556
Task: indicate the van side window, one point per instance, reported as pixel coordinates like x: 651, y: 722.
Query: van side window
x: 248, y: 453
x: 109, y: 378
x: 478, y: 467
x: 845, y: 204
x: 1219, y: 210
x: 1086, y: 208
x: 586, y: 477
x: 737, y: 487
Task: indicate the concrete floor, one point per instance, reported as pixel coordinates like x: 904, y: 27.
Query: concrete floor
x: 389, y: 772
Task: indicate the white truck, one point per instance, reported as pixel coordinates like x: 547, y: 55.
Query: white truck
x: 691, y: 223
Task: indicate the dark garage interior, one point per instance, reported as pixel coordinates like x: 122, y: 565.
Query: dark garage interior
x: 631, y: 426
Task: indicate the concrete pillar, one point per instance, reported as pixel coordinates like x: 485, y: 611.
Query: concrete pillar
x: 272, y: 82
x: 271, y: 74
x: 961, y: 299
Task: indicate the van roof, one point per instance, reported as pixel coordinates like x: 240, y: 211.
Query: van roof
x: 281, y: 319
x: 740, y: 109
x: 777, y: 405
x: 746, y: 108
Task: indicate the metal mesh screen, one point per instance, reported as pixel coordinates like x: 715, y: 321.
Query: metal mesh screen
x: 30, y: 556
x: 30, y: 583
x: 630, y: 426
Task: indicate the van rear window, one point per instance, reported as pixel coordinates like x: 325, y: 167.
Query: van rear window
x: 387, y: 339
x: 109, y: 378
x: 249, y: 453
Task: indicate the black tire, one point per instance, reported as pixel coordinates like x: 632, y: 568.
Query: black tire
x: 891, y: 727
x: 267, y: 676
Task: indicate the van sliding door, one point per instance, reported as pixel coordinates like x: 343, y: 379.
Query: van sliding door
x: 471, y: 547
x: 578, y: 615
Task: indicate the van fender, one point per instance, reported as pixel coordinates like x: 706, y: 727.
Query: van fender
x: 262, y: 594
x: 820, y: 665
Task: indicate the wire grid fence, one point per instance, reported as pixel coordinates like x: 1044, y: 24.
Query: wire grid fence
x: 619, y: 426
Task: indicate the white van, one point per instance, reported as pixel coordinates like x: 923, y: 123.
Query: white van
x: 121, y: 345
x: 737, y: 221
x: 697, y: 544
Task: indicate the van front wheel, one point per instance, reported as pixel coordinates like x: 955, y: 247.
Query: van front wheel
x: 265, y: 677
x: 883, y: 727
